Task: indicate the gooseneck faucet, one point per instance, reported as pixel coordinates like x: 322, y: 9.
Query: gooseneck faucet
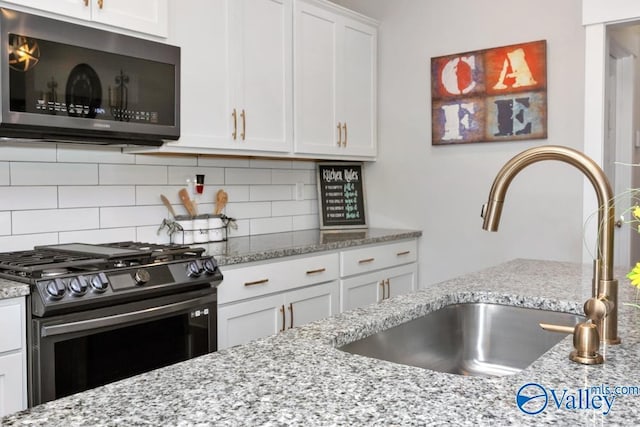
x: 604, y: 286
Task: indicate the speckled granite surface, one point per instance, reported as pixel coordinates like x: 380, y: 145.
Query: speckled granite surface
x: 11, y: 289
x: 299, y: 378
x: 266, y: 246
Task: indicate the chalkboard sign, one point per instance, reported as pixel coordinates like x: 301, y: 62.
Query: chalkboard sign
x: 341, y: 195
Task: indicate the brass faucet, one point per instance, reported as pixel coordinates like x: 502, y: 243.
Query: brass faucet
x: 604, y: 286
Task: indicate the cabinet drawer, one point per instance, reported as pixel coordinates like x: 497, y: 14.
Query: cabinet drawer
x: 10, y: 326
x: 376, y: 257
x: 248, y: 282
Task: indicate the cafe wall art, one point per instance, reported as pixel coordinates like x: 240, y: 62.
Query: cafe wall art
x: 489, y: 95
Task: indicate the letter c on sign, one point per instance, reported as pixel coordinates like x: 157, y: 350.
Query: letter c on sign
x: 457, y: 75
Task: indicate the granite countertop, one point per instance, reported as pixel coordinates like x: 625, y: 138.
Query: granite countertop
x: 11, y: 289
x: 267, y: 246
x: 298, y: 377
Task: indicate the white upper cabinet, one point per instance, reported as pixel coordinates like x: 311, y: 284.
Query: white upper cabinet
x: 236, y: 75
x: 144, y: 16
x: 334, y: 81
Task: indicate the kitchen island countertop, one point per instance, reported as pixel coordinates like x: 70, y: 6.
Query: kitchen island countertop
x: 12, y: 289
x: 298, y: 377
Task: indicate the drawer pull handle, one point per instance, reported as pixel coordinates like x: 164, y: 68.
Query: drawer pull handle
x: 365, y: 261
x: 257, y: 282
x: 316, y: 271
x: 291, y: 311
x: 403, y: 253
x: 284, y: 320
x: 382, y: 285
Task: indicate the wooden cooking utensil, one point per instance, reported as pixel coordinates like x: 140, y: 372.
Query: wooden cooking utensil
x: 186, y: 201
x: 167, y: 203
x: 221, y: 201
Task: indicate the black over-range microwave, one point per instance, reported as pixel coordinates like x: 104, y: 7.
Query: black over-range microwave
x: 65, y: 82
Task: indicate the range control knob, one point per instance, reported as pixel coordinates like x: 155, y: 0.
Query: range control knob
x: 194, y: 269
x: 99, y: 282
x: 78, y: 286
x: 209, y: 265
x: 55, y: 288
x: 141, y: 277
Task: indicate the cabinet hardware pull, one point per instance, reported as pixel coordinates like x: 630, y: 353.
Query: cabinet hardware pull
x: 234, y: 134
x: 257, y: 282
x: 365, y: 261
x: 339, y: 134
x: 100, y: 3
x: 291, y: 318
x: 319, y: 270
x: 388, y: 288
x: 344, y: 127
x: 382, y: 285
x: 403, y: 253
x: 244, y: 124
x: 284, y: 320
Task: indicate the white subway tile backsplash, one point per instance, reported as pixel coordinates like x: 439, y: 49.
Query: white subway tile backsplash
x: 270, y: 192
x: 5, y: 223
x: 150, y: 159
x: 132, y: 216
x: 249, y: 210
x: 25, y: 242
x: 81, y: 153
x: 4, y: 173
x: 28, y: 151
x: 43, y: 221
x: 306, y: 222
x: 223, y: 162
x: 291, y: 207
x: 271, y: 225
x: 74, y: 193
x: 247, y: 176
x: 291, y: 176
x: 19, y: 198
x: 30, y: 173
x: 178, y: 175
x: 96, y: 196
x: 132, y: 174
x: 269, y: 164
x: 104, y: 235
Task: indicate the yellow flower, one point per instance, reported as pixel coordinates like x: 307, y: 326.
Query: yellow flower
x: 636, y: 211
x: 634, y: 275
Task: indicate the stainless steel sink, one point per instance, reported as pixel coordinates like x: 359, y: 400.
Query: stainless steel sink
x: 468, y: 339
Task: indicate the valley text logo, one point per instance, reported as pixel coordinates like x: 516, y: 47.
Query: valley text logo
x: 533, y: 398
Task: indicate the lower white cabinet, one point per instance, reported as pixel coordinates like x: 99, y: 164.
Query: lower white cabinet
x: 239, y: 323
x: 262, y: 299
x: 371, y: 288
x: 13, y: 359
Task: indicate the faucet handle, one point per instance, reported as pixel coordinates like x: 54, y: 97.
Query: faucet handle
x: 598, y: 308
x: 586, y: 341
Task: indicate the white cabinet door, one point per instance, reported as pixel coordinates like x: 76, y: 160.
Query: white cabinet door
x: 239, y: 323
x: 312, y: 303
x: 362, y: 290
x: 334, y: 83
x: 261, y: 59
x: 145, y: 16
x: 11, y: 387
x: 402, y: 280
x: 236, y: 75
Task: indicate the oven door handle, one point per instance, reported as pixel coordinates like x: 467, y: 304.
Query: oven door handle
x: 123, y: 318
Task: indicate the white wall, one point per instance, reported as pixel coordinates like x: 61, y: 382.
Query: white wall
x: 73, y: 193
x: 441, y: 189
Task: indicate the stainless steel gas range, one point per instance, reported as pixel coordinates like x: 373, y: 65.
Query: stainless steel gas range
x: 100, y: 313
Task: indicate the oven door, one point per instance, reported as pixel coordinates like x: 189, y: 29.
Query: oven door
x: 75, y: 352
